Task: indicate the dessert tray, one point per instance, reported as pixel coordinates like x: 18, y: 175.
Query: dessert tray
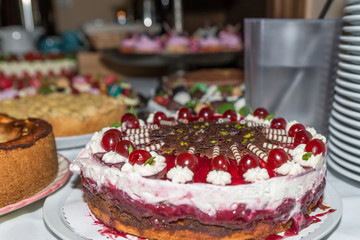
x: 68, y: 216
x: 63, y: 175
x: 165, y: 59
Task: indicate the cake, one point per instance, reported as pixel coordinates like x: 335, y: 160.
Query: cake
x: 209, y: 44
x: 146, y: 44
x: 69, y: 114
x: 230, y: 39
x: 177, y: 44
x: 128, y: 44
x: 204, y: 177
x: 37, y: 65
x: 28, y: 158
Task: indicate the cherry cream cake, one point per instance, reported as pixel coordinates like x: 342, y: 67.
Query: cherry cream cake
x: 204, y: 177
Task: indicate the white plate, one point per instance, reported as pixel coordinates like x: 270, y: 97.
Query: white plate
x: 344, y: 146
x: 54, y: 217
x: 350, y: 58
x: 62, y: 176
x: 344, y: 137
x: 78, y: 141
x: 352, y: 9
x: 341, y: 170
x: 355, y: 30
x: 350, y: 67
x: 346, y: 102
x: 344, y: 110
x: 351, y: 76
x: 352, y: 19
x: 345, y: 120
x: 348, y: 84
x: 355, y: 96
x: 350, y: 48
x: 350, y: 39
x: 344, y: 128
x: 342, y: 156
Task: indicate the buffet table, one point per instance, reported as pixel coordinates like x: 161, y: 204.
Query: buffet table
x: 27, y: 222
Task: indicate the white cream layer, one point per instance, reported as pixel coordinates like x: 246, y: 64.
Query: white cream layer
x: 208, y: 198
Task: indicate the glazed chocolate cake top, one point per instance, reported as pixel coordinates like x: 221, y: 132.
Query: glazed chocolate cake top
x: 204, y: 136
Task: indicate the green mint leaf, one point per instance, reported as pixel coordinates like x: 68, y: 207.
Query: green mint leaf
x: 270, y: 116
x: 132, y: 111
x: 192, y: 103
x: 130, y: 149
x: 245, y: 110
x: 225, y: 89
x: 224, y: 107
x: 117, y: 124
x: 306, y: 156
x: 149, y: 161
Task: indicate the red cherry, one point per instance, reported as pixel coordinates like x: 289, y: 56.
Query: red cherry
x: 126, y: 116
x: 247, y: 162
x: 184, y: 113
x: 278, y: 123
x: 295, y: 128
x: 206, y: 113
x: 131, y: 123
x: 220, y: 163
x: 261, y: 112
x: 316, y: 146
x: 139, y: 157
x: 187, y: 160
x: 302, y: 137
x: 158, y: 116
x: 123, y: 146
x: 5, y: 83
x: 230, y: 114
x: 277, y: 157
x: 110, y: 139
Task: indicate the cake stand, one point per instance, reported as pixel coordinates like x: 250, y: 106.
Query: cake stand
x: 173, y: 61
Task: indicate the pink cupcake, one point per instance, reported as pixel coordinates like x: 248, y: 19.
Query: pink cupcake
x: 230, y: 41
x: 128, y: 44
x: 177, y: 44
x: 146, y: 44
x: 209, y: 44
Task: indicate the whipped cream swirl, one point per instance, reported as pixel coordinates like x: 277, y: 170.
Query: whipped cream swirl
x: 313, y: 161
x: 180, y: 174
x: 146, y: 170
x: 113, y: 157
x: 256, y: 174
x: 218, y: 177
x: 290, y: 168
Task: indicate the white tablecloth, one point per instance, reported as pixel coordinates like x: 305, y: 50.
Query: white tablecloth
x: 27, y: 223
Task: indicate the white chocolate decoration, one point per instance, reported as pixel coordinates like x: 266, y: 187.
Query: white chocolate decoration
x: 235, y: 152
x: 273, y: 146
x: 280, y: 138
x: 216, y: 151
x: 274, y: 131
x: 257, y: 151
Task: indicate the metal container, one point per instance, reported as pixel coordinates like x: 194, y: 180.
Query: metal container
x: 290, y: 67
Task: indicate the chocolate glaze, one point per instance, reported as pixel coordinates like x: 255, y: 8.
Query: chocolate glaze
x: 203, y: 136
x: 22, y: 133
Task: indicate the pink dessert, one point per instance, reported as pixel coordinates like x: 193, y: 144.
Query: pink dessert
x: 230, y: 41
x: 209, y: 44
x: 128, y: 44
x: 207, y: 176
x: 146, y: 44
x: 177, y: 44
